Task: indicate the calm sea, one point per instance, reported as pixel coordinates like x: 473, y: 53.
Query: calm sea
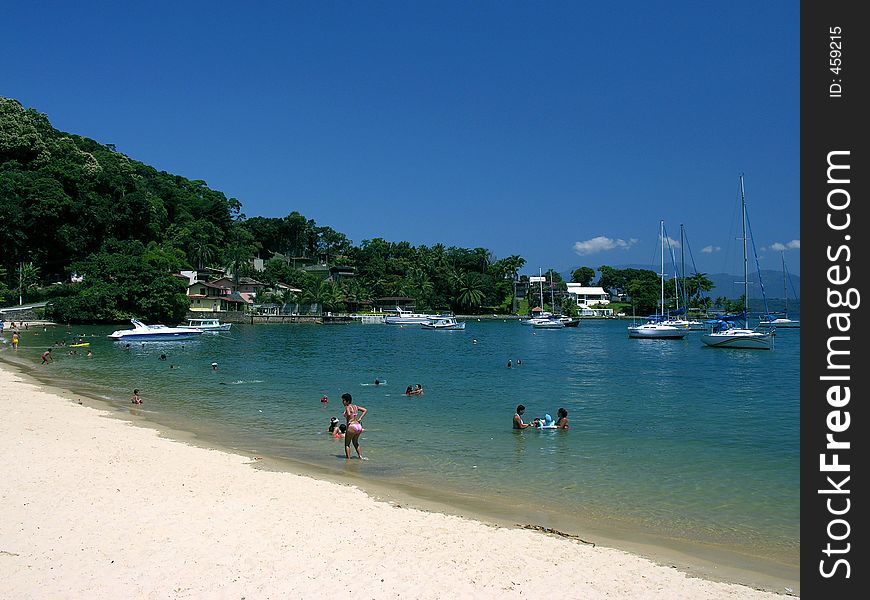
x: 670, y: 440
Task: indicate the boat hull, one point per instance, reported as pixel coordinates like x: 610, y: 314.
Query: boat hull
x: 406, y: 320
x: 786, y: 323
x: 208, y: 328
x: 746, y: 341
x: 656, y: 333
x: 181, y: 335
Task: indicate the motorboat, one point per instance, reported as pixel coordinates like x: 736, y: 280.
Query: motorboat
x: 144, y: 332
x: 206, y: 325
x: 544, y: 316
x: 569, y: 321
x: 445, y: 322
x: 551, y: 323
x: 406, y: 317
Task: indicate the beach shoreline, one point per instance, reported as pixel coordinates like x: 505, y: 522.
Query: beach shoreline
x: 153, y: 501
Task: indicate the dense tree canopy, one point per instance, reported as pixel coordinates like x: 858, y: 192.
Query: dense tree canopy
x: 71, y: 205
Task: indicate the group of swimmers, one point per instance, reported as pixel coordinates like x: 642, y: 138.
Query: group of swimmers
x: 560, y: 423
x: 414, y: 390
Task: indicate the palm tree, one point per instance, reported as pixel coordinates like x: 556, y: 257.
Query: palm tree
x: 28, y: 278
x: 470, y: 292
x: 421, y: 287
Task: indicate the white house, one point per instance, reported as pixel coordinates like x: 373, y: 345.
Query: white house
x: 586, y: 297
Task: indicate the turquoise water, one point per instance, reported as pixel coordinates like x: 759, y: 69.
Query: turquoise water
x: 668, y: 438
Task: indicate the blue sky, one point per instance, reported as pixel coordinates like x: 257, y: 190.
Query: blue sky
x: 560, y: 131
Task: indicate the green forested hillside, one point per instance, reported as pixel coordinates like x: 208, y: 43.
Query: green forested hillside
x: 69, y: 204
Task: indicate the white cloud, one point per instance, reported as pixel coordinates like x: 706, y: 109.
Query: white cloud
x: 779, y: 247
x: 671, y: 242
x: 711, y: 249
x: 601, y: 244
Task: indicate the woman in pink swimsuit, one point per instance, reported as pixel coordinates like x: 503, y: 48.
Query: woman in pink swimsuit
x: 353, y: 414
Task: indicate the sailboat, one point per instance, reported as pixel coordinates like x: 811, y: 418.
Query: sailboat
x: 679, y: 318
x: 783, y: 321
x: 724, y: 333
x: 655, y: 328
x: 544, y: 316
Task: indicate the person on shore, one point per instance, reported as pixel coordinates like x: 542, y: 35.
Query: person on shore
x: 136, y: 399
x: 15, y: 341
x: 46, y: 356
x: 562, y: 419
x: 518, y: 418
x: 353, y: 414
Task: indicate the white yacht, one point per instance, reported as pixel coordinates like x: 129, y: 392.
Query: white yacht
x: 144, y: 332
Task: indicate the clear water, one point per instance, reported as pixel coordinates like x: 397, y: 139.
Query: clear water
x: 668, y: 438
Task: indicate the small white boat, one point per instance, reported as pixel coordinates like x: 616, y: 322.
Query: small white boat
x: 772, y: 321
x: 444, y: 322
x: 143, y: 332
x: 656, y: 326
x: 206, y: 325
x: 544, y: 316
x: 551, y: 323
x: 783, y: 321
x: 406, y: 317
x: 726, y: 334
x: 652, y: 330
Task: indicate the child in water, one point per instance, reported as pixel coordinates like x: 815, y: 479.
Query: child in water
x: 339, y: 431
x: 136, y: 399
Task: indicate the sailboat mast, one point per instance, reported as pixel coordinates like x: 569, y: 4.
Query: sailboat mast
x: 662, y: 236
x: 683, y: 272
x: 784, y: 286
x: 745, y: 260
x: 552, y: 301
x: 541, y: 284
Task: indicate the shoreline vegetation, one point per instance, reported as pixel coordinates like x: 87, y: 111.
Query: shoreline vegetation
x: 102, y: 507
x: 115, y: 236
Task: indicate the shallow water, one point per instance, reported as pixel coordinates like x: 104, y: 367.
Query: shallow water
x: 668, y: 438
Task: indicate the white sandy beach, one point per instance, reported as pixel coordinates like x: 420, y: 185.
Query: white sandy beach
x: 96, y: 507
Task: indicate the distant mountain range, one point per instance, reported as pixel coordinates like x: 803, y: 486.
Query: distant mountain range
x: 725, y: 284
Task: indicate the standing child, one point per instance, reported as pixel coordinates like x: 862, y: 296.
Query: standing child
x: 136, y: 399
